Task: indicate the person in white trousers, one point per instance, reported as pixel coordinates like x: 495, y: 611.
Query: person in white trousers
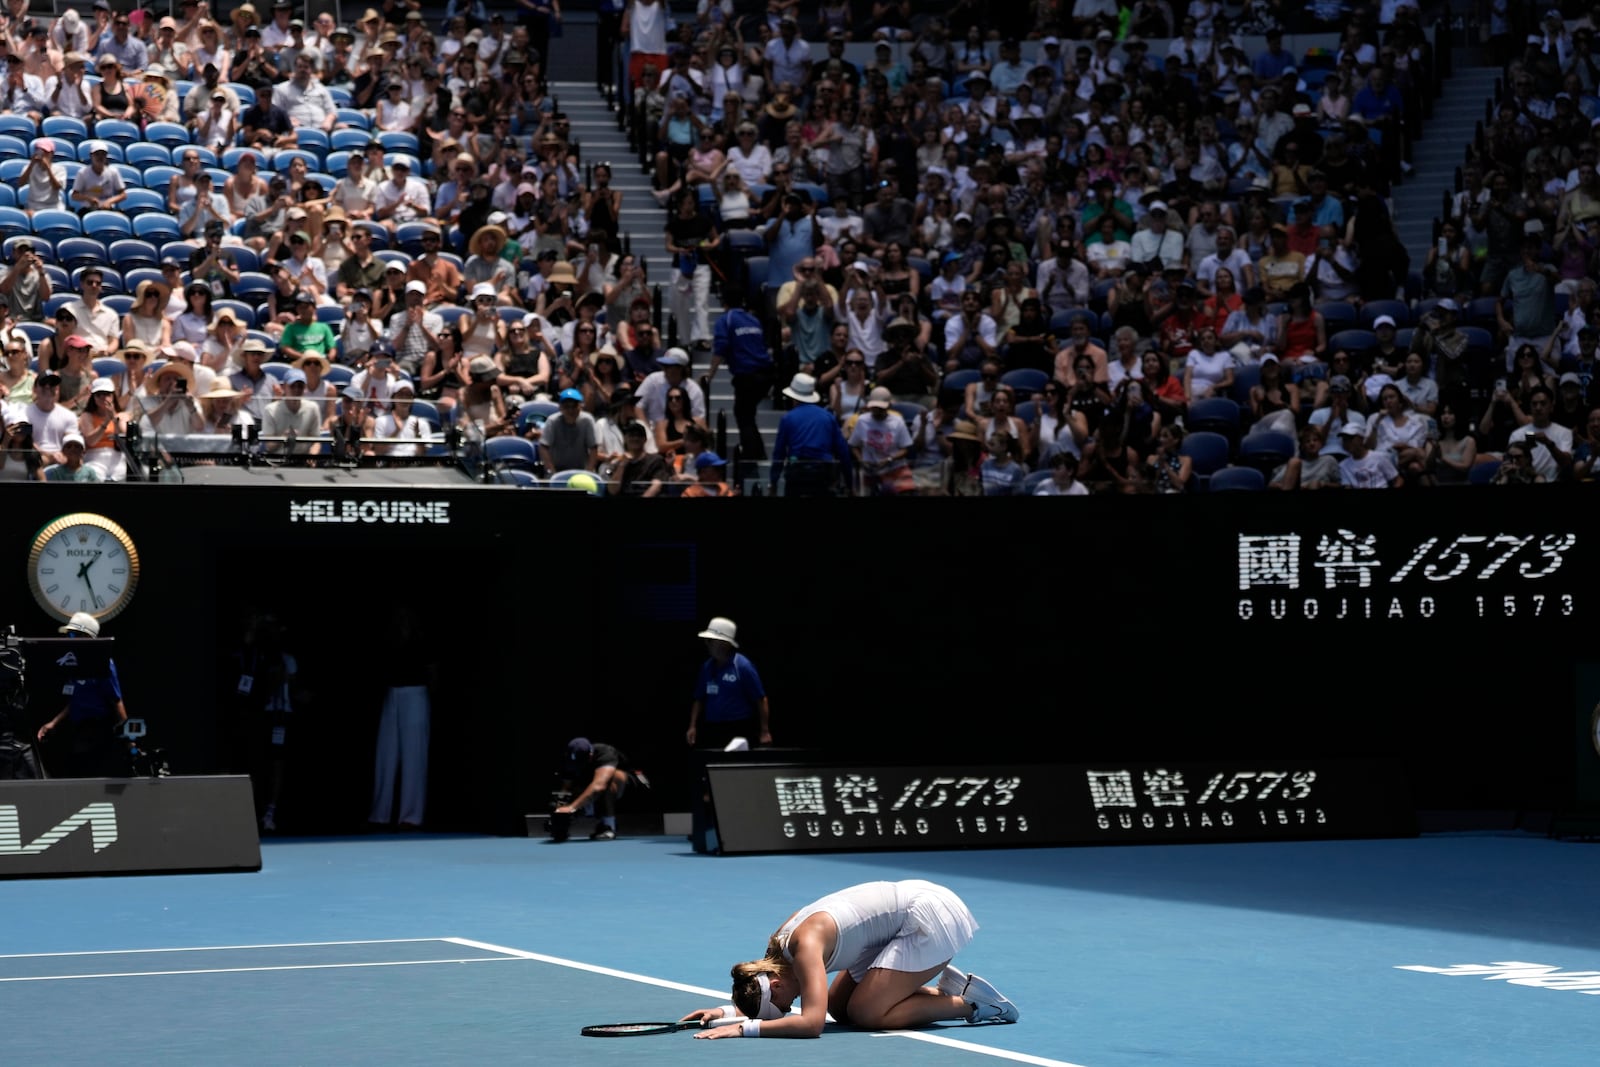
x: 691, y: 234
x: 403, y: 729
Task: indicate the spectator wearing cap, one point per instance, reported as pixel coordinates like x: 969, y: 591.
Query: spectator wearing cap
x: 266, y: 125
x: 206, y: 207
x: 67, y: 93
x: 43, y: 181
x: 787, y: 57
x: 360, y: 269
x: 215, y: 264
x: 672, y: 373
x: 710, y: 476
x: 401, y: 423
x: 402, y: 198
x: 309, y: 273
x: 254, y: 385
x: 1157, y: 242
x: 568, y: 440
x: 278, y: 30
x: 1281, y: 268
x: 880, y: 444
x: 1530, y: 286
x: 24, y: 285
x: 99, y: 186
x: 51, y: 420
x: 306, y: 335
x: 166, y: 53
x: 217, y: 124
x: 99, y: 425
x: 1362, y: 467
x: 414, y: 328
x: 71, y: 468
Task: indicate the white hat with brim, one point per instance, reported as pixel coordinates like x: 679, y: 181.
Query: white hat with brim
x: 720, y: 629
x: 803, y: 388
x: 82, y: 623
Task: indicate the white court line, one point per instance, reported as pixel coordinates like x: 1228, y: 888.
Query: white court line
x: 242, y: 970
x: 910, y: 1035
x: 222, y: 948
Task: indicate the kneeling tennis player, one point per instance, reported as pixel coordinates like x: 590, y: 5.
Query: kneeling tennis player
x: 887, y: 940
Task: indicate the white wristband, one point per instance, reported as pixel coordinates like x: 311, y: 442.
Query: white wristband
x: 751, y: 1028
x: 730, y: 1011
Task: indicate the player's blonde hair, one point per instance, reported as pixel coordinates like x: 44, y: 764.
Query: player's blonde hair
x: 746, y: 987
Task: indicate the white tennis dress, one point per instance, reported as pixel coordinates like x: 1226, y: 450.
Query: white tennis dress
x: 897, y: 926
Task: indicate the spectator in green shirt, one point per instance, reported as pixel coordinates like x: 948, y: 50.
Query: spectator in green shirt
x: 305, y: 335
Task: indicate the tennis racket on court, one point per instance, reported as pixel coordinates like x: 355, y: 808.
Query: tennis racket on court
x: 651, y: 1029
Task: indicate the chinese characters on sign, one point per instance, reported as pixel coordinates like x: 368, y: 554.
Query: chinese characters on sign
x: 1349, y: 575
x: 920, y: 807
x: 1160, y: 799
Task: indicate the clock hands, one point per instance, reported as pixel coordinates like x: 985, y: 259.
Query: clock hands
x: 83, y: 572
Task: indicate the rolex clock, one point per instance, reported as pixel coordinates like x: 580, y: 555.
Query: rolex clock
x: 83, y: 562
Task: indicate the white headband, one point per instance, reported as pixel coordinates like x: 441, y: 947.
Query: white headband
x: 768, y: 1010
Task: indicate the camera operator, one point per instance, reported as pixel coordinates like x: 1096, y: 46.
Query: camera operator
x: 88, y: 747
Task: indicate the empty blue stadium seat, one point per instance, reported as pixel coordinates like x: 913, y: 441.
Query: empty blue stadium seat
x: 143, y: 154
x: 167, y: 133
x: 64, y: 128
x: 156, y: 227
x: 1208, y: 452
x: 140, y: 201
x: 1026, y: 381
x: 1266, y: 450
x: 52, y: 225
x: 1238, y: 480
x: 118, y: 132
x: 107, y: 225
x: 80, y: 252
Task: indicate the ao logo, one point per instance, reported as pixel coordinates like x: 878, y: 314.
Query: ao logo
x: 100, y: 817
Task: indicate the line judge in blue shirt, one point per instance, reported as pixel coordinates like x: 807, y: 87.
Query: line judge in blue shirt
x: 811, y: 451
x: 729, y: 695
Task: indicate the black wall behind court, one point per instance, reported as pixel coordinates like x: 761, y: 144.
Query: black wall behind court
x: 1090, y: 629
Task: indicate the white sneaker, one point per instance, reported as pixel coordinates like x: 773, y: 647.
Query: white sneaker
x: 952, y: 981
x: 988, y: 1006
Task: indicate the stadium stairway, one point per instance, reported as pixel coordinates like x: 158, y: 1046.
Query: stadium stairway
x: 1440, y: 150
x: 594, y: 123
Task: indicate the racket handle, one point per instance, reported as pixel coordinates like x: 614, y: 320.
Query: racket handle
x: 724, y: 1020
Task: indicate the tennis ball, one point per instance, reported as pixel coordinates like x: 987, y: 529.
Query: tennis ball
x: 587, y: 482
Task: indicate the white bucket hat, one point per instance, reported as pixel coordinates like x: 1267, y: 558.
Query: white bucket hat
x: 89, y: 626
x: 803, y: 388
x: 720, y: 629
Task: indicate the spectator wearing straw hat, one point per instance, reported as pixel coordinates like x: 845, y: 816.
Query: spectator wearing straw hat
x: 172, y: 411
x: 729, y: 700
x: 811, y: 453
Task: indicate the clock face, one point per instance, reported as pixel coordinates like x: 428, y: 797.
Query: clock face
x: 83, y: 562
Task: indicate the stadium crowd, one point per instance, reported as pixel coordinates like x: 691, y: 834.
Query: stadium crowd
x: 1048, y: 254
x: 1011, y: 253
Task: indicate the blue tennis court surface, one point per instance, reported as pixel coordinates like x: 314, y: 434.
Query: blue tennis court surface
x: 1459, y: 950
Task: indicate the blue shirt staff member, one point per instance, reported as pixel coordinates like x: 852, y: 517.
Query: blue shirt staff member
x: 729, y: 693
x: 811, y: 451
x: 93, y: 710
x: 741, y: 343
